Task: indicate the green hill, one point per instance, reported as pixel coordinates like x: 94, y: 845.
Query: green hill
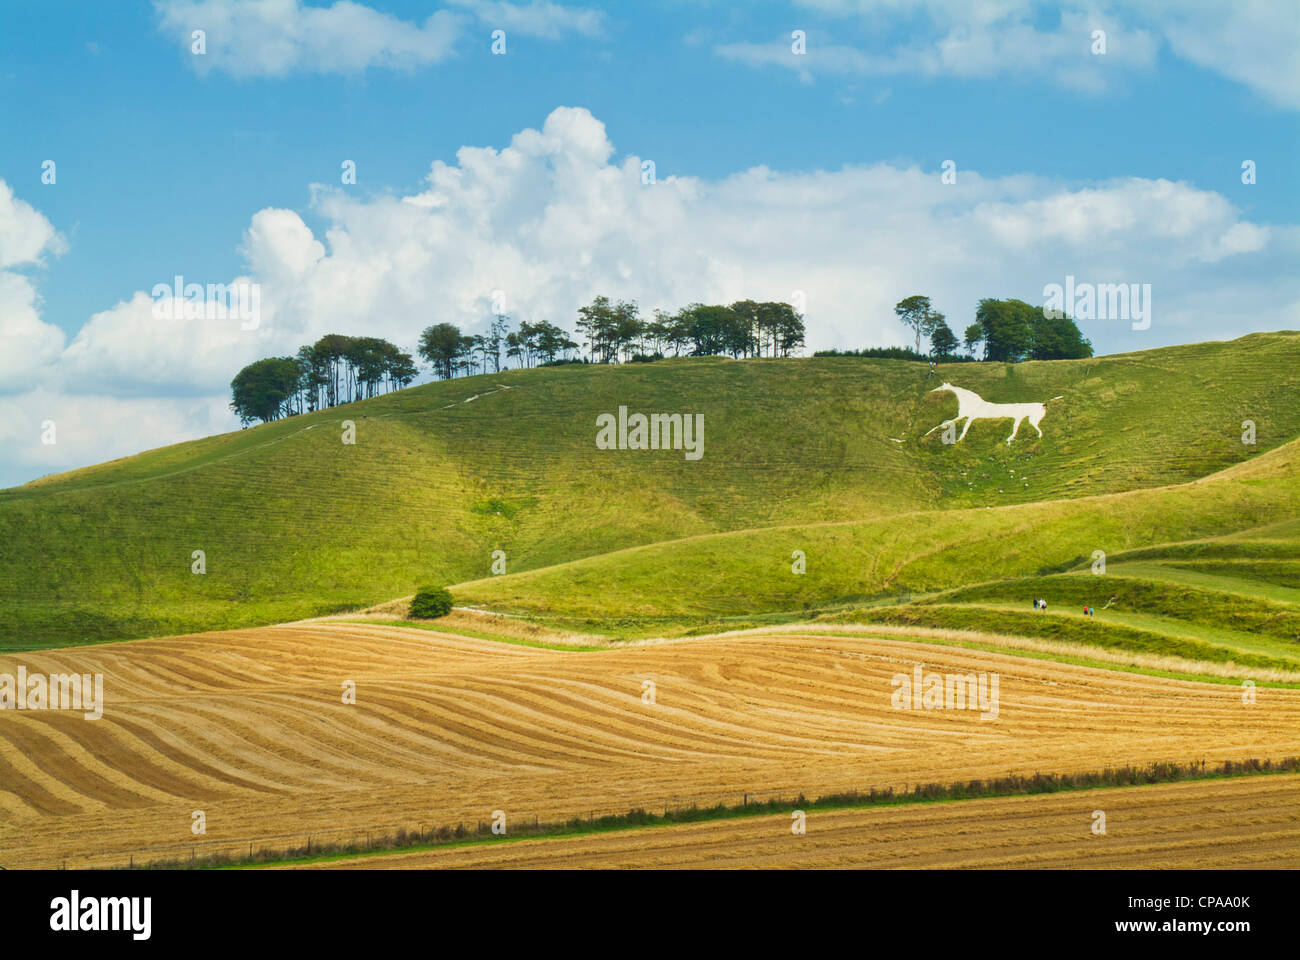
x: 295, y: 523
x: 751, y: 571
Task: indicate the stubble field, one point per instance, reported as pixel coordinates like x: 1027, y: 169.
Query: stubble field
x: 249, y: 727
x: 1252, y: 822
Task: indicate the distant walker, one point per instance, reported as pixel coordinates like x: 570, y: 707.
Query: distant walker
x: 971, y: 406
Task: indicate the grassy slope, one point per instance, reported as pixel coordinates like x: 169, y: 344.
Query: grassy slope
x: 294, y: 523
x: 750, y: 571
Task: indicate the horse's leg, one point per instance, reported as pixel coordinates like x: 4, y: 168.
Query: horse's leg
x: 941, y: 426
x: 1034, y: 423
x: 1014, y: 431
x: 969, y: 421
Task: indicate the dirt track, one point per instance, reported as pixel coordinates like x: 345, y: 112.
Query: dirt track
x: 248, y: 727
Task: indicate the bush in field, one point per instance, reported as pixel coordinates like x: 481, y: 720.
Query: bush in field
x: 431, y: 603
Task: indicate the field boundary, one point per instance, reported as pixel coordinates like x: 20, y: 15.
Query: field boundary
x: 404, y: 841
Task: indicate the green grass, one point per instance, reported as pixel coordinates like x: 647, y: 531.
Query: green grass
x: 1268, y: 619
x: 1273, y: 579
x: 750, y: 572
x: 855, y: 618
x: 798, y: 455
x: 1069, y: 628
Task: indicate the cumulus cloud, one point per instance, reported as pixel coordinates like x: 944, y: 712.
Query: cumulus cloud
x: 558, y: 216
x: 92, y: 429
x: 129, y: 350
x: 1253, y: 42
x: 27, y: 344
x: 25, y: 235
x: 251, y: 38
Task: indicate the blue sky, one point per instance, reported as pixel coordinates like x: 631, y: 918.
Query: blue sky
x: 1120, y: 167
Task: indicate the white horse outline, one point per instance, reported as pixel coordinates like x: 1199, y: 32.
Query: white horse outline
x: 971, y: 406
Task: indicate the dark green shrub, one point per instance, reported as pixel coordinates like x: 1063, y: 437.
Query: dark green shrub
x: 431, y: 603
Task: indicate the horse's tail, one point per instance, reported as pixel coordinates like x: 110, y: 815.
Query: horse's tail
x: 1061, y: 397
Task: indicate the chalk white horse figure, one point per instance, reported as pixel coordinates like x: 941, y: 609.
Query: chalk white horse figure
x: 971, y: 406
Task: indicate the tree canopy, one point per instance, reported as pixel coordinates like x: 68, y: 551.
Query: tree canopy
x: 1014, y: 330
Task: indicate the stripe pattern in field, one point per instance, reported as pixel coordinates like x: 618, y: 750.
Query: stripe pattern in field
x: 248, y: 726
x: 1245, y: 823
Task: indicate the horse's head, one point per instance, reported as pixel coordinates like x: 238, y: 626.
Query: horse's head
x: 943, y: 386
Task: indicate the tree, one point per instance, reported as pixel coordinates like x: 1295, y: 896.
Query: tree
x: 313, y: 375
x: 597, y: 322
x: 264, y: 389
x: 739, y: 337
x: 549, y: 341
x: 942, y: 340
x: 914, y: 312
x: 627, y: 327
x: 430, y: 603
x: 974, y: 337
x: 933, y: 321
x: 1014, y: 330
x: 401, y: 368
x: 659, y: 331
x: 680, y: 329
x: 1057, y: 338
x: 496, y: 338
x: 475, y: 352
x: 1006, y: 326
x: 367, y: 358
x: 330, y: 350
x: 711, y: 328
x: 756, y: 318
x: 789, y: 327
x: 441, y: 345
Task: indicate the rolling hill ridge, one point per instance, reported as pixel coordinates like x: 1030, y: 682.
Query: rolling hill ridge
x: 294, y: 523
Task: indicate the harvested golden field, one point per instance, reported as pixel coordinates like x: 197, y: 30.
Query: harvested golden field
x: 1237, y: 823
x: 249, y: 727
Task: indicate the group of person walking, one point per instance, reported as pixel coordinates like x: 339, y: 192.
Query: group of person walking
x: 1041, y: 604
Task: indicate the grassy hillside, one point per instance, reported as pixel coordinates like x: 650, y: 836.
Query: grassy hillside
x: 752, y: 572
x: 294, y: 523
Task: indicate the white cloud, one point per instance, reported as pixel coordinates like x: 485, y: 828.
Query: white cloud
x: 25, y: 235
x: 556, y: 217
x: 275, y: 37
x: 538, y: 18
x: 1189, y: 225
x: 1253, y: 42
x: 250, y: 38
x: 27, y: 344
x: 280, y: 243
x: 127, y: 350
x: 966, y: 41
x: 93, y: 429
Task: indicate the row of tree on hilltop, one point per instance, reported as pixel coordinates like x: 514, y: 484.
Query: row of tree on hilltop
x: 340, y: 369
x: 1005, y: 330
x: 613, y: 331
x: 335, y: 369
